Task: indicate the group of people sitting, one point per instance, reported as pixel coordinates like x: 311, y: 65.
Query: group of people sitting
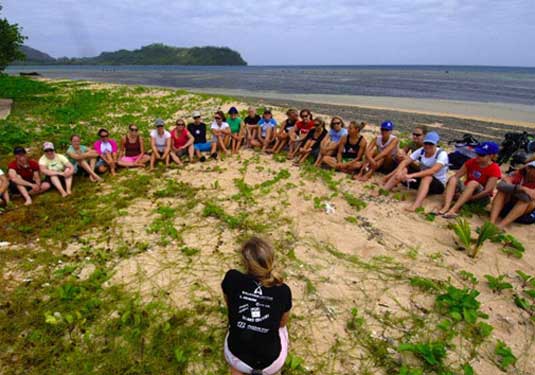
x: 420, y: 164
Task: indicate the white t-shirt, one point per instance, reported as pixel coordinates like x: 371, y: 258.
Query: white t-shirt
x: 160, y: 140
x: 1, y: 172
x: 440, y: 156
x: 223, y: 126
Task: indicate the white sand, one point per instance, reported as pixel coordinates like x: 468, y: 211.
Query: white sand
x: 511, y: 114
x: 5, y: 108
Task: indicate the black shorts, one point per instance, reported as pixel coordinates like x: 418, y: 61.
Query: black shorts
x: 387, y: 169
x: 436, y: 187
x: 14, y: 190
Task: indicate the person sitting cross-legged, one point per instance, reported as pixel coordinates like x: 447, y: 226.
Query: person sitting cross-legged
x: 160, y: 143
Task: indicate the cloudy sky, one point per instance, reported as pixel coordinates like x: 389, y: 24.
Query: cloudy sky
x: 276, y: 32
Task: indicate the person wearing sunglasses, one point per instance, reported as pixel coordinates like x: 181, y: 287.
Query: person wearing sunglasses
x: 81, y: 156
x: 57, y: 169
x: 381, y: 153
x: 282, y: 136
x: 132, y: 149
x: 198, y: 130
x: 160, y: 142
x: 481, y: 174
x: 220, y: 134
x: 311, y: 143
x: 181, y: 142
x: 335, y: 140
x: 426, y: 170
x: 266, y: 135
x: 299, y: 132
x: 107, y: 152
x: 515, y: 200
x: 24, y: 176
x: 349, y: 156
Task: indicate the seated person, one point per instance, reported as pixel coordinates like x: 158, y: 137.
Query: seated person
x: 4, y: 184
x: 299, y: 132
x: 132, y: 149
x: 266, y: 135
x: 181, y: 142
x: 106, y: 149
x: 381, y: 153
x: 417, y: 141
x: 425, y: 170
x: 349, y: 156
x: 481, y: 176
x: 334, y: 141
x: 220, y: 134
x: 312, y: 142
x: 81, y: 156
x: 282, y: 137
x: 160, y: 143
x: 198, y: 130
x: 57, y: 169
x: 258, y: 304
x: 237, y: 130
x: 515, y: 200
x: 24, y: 176
x: 251, y: 123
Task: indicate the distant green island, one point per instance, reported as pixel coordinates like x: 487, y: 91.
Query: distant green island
x: 153, y: 54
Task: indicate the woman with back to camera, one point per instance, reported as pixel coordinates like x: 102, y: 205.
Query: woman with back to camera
x: 259, y: 306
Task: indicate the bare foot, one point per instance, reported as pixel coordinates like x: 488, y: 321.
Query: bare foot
x: 28, y: 202
x: 91, y: 178
x: 410, y: 208
x: 64, y: 195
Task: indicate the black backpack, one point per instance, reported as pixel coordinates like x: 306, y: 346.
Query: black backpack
x: 463, y: 151
x: 512, y: 144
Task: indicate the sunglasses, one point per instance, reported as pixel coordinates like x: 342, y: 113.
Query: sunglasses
x: 385, y: 130
x: 429, y: 144
x: 217, y: 118
x: 49, y: 150
x: 417, y: 134
x: 180, y: 124
x: 104, y: 136
x: 196, y: 117
x: 133, y: 129
x: 303, y: 116
x: 336, y: 123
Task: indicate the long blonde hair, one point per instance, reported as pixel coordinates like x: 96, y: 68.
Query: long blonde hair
x: 258, y: 257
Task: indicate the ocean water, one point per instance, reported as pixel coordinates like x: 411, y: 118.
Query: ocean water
x: 466, y: 83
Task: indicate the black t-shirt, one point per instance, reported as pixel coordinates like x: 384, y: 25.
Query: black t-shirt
x: 310, y: 136
x: 288, y: 125
x: 198, y: 132
x: 251, y: 120
x: 254, y: 314
x: 351, y: 150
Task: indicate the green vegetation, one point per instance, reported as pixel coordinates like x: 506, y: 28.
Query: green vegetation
x: 506, y: 357
x: 11, y: 40
x: 462, y: 230
x: 153, y: 54
x: 496, y: 284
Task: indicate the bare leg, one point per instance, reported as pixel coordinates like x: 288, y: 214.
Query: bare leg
x: 175, y: 158
x: 497, y: 206
x: 68, y: 185
x: 448, y: 195
x: 465, y: 196
x: 89, y: 170
x: 152, y: 161
x: 423, y: 189
x: 57, y: 184
x: 520, y: 208
x: 24, y: 192
x: 233, y: 371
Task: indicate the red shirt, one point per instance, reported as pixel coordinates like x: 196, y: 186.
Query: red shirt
x: 25, y: 172
x: 518, y: 179
x: 475, y: 173
x: 304, y: 127
x: 179, y: 140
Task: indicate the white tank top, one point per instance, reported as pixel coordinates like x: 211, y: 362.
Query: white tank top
x: 381, y: 146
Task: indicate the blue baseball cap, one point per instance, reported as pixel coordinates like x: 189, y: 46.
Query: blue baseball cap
x: 387, y: 125
x: 487, y: 148
x: 232, y: 110
x: 432, y: 137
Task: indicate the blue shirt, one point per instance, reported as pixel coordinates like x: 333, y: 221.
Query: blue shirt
x: 337, y: 135
x: 264, y: 125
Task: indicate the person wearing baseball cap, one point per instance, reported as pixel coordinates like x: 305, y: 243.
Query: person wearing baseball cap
x: 57, y: 169
x: 426, y: 170
x: 381, y: 154
x: 197, y: 129
x: 24, y: 176
x: 515, y: 200
x: 481, y: 174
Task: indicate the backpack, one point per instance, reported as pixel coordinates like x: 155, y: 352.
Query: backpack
x: 464, y: 151
x: 513, y: 143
